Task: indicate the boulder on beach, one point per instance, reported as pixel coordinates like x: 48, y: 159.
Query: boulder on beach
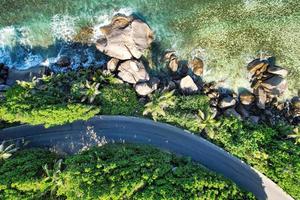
x: 125, y: 38
x: 133, y: 71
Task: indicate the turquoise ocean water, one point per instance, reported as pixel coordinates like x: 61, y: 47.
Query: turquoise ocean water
x: 225, y: 33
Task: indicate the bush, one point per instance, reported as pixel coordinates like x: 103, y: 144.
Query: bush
x: 263, y: 147
x: 21, y: 175
x: 119, y: 99
x: 139, y: 172
x: 184, y: 114
x: 37, y: 107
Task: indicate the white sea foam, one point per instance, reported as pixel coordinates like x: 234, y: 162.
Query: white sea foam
x: 63, y: 27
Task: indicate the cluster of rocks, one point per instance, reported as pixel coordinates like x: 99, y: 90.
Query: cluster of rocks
x: 268, y: 80
x: 261, y: 102
x: 125, y: 39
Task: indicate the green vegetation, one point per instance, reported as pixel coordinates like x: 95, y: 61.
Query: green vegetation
x: 271, y: 150
x: 21, y: 176
x: 119, y: 99
x: 59, y: 99
x: 116, y: 171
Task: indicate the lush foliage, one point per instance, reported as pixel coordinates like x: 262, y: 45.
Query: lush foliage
x: 67, y: 97
x: 119, y: 99
x: 265, y: 148
x: 22, y: 105
x: 21, y: 176
x: 111, y: 172
x: 271, y: 150
x: 185, y: 112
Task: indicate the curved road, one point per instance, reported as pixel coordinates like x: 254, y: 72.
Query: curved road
x: 72, y: 137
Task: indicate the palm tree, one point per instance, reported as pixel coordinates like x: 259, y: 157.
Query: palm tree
x: 159, y: 103
x: 7, y: 151
x: 53, y: 176
x: 296, y: 135
x: 207, y: 123
x: 90, y: 91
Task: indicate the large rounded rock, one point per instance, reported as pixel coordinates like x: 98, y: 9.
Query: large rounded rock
x: 125, y: 38
x: 187, y: 85
x: 133, y: 71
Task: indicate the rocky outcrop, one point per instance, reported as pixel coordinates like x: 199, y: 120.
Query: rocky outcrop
x: 268, y: 81
x: 125, y: 38
x: 133, y: 71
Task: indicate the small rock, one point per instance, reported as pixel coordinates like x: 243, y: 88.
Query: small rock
x: 227, y: 102
x: 143, y: 89
x: 278, y: 71
x: 262, y: 98
x: 112, y: 64
x: 295, y: 102
x: 197, y: 66
x: 169, y: 55
x: 231, y: 112
x: 154, y: 83
x: 246, y: 97
x: 132, y: 71
x: 242, y: 111
x: 173, y: 65
x: 64, y: 61
x: 213, y: 94
x: 254, y: 119
x: 257, y: 64
x: 187, y: 85
x: 275, y: 85
x: 171, y: 86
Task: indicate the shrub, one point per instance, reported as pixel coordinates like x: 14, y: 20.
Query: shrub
x: 185, y: 111
x: 119, y: 99
x: 262, y: 147
x: 21, y: 175
x: 139, y: 172
x: 26, y: 106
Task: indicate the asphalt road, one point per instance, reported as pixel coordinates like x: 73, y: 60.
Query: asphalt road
x: 73, y: 137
